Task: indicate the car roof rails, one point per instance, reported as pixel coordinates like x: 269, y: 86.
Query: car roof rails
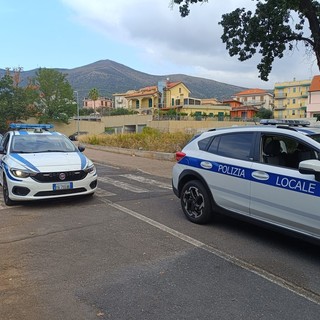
x: 285, y: 122
x: 28, y: 126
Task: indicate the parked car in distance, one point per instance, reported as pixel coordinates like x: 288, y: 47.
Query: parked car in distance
x: 265, y: 173
x: 74, y: 136
x: 36, y: 163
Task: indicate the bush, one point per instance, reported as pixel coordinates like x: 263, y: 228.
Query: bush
x: 149, y: 139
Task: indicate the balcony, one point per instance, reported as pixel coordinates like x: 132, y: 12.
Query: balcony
x: 280, y: 96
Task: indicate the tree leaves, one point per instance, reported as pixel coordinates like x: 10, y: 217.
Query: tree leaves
x: 55, y: 101
x: 269, y: 31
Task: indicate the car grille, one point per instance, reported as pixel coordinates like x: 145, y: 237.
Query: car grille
x: 59, y: 176
x: 59, y: 192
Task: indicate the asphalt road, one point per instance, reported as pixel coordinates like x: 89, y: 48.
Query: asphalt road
x: 129, y: 253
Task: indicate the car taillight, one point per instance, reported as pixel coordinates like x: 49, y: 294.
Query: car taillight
x: 180, y: 155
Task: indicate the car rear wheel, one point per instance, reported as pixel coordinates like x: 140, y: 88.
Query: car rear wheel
x: 195, y: 202
x: 6, y: 197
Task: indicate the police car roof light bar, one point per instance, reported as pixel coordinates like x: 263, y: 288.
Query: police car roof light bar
x: 19, y: 126
x: 295, y: 123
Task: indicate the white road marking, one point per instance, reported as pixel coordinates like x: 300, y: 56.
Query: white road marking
x: 300, y: 291
x: 106, y: 165
x: 147, y: 181
x: 103, y: 193
x: 122, y: 185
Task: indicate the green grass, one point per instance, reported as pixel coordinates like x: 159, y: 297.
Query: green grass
x: 149, y: 139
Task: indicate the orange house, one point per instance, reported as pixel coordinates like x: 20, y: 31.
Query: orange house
x: 238, y: 110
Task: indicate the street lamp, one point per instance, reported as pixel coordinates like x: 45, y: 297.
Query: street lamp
x: 78, y: 113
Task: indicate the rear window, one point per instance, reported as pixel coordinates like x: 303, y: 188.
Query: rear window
x: 204, y: 143
x: 237, y: 146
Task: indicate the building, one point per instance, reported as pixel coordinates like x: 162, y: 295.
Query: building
x: 313, y: 105
x: 149, y: 100
x: 120, y: 100
x: 257, y: 98
x: 99, y: 104
x: 243, y: 112
x: 291, y: 99
x: 206, y: 110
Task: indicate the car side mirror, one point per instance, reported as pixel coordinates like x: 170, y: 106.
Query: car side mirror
x: 310, y: 167
x: 81, y: 148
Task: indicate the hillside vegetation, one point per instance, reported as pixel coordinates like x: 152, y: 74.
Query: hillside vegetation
x: 110, y: 77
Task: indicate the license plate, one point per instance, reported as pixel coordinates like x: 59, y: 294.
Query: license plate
x: 62, y: 186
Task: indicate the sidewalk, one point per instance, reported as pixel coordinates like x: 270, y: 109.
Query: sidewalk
x: 154, y: 163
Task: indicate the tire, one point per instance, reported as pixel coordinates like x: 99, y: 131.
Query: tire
x: 196, y: 203
x: 5, y: 190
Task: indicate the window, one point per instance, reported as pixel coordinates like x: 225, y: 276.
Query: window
x: 233, y: 146
x: 285, y: 151
x: 203, y: 144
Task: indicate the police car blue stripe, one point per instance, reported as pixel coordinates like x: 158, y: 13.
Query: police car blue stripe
x: 306, y: 131
x: 276, y: 180
x: 24, y: 161
x: 83, y: 160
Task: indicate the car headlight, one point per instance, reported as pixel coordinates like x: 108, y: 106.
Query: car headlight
x: 90, y: 169
x: 21, y: 173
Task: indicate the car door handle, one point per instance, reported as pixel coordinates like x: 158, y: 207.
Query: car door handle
x: 260, y: 175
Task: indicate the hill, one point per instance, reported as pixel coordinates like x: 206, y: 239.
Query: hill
x: 110, y: 77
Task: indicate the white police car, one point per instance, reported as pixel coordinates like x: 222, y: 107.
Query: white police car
x: 268, y: 173
x: 36, y: 163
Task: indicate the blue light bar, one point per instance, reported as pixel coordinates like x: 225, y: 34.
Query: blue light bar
x: 288, y: 122
x: 19, y: 126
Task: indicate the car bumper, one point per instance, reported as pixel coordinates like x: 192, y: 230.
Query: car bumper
x: 29, y: 189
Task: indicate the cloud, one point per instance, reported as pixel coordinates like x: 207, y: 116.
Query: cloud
x: 170, y: 43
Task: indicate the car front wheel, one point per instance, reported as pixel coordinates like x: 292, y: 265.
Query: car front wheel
x: 6, y: 197
x: 195, y: 202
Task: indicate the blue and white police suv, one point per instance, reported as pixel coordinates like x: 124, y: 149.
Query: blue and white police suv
x: 36, y: 163
x: 267, y: 173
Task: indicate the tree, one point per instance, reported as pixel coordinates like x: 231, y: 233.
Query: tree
x: 94, y: 95
x: 55, y: 101
x: 15, y: 102
x: 264, y: 113
x: 269, y: 31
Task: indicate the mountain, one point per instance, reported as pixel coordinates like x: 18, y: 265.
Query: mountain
x: 110, y: 77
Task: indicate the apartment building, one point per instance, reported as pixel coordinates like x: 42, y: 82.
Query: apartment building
x: 257, y: 98
x: 291, y: 99
x: 313, y: 105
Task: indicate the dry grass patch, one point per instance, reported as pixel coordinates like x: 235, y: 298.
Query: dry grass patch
x: 149, y: 139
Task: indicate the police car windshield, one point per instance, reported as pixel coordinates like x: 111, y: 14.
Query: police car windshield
x: 41, y: 143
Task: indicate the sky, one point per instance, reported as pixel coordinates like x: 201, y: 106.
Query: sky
x: 148, y: 36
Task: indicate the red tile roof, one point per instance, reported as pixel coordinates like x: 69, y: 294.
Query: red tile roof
x: 147, y: 91
x: 172, y: 84
x: 315, y: 84
x: 251, y: 92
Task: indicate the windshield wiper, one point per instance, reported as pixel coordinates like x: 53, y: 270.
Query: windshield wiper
x: 53, y: 150
x: 20, y: 151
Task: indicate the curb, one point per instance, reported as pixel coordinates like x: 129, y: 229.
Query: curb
x: 135, y: 153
